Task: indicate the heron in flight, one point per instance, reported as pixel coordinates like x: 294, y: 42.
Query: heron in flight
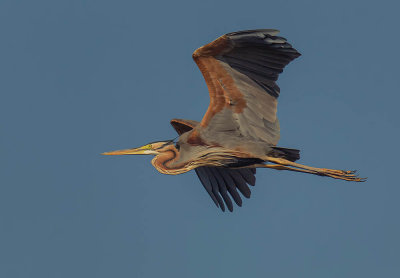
x: 240, y: 130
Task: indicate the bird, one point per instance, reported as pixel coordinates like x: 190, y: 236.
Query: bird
x: 240, y: 130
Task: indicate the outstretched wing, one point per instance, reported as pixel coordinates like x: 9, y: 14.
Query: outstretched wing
x: 218, y: 181
x: 240, y: 70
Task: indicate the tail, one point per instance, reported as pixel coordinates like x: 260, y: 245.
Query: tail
x: 289, y: 154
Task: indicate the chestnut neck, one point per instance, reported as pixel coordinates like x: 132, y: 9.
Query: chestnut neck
x: 165, y: 162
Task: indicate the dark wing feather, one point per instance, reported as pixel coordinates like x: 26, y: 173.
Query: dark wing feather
x: 248, y: 175
x: 216, y: 188
x: 240, y: 183
x: 219, y: 181
x: 205, y: 181
x: 181, y: 126
x: 222, y: 188
x: 240, y: 70
x: 230, y: 185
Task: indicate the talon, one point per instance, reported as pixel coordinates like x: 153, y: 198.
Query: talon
x: 350, y: 171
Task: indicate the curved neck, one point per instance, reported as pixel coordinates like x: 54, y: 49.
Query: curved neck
x: 165, y: 162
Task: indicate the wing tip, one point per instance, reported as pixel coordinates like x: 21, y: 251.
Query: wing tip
x: 263, y: 37
x: 271, y: 32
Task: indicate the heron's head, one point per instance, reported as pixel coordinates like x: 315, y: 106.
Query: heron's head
x: 154, y: 148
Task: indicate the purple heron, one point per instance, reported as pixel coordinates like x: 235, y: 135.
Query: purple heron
x: 240, y: 130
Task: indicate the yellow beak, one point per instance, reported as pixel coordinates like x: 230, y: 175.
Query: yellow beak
x: 142, y: 150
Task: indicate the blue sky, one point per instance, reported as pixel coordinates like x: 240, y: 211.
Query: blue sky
x: 82, y: 77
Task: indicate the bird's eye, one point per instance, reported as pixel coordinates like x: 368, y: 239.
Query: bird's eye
x: 177, y: 146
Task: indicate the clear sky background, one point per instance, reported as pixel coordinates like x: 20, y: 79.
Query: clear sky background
x: 78, y: 78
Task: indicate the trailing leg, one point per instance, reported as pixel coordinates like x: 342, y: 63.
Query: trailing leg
x: 284, y: 164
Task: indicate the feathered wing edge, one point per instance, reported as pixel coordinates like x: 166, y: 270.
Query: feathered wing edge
x: 219, y: 181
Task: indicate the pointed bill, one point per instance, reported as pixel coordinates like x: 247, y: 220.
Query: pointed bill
x: 147, y: 149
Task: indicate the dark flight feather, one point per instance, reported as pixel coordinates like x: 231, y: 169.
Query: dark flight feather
x: 222, y: 188
x: 206, y: 183
x: 218, y: 181
x: 230, y: 185
x: 240, y: 183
